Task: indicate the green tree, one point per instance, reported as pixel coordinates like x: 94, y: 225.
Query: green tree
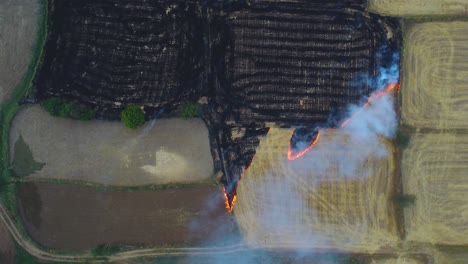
x: 133, y: 116
x: 188, y: 110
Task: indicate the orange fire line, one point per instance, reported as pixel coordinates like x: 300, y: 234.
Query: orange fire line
x: 300, y: 154
x: 377, y: 94
x: 230, y: 205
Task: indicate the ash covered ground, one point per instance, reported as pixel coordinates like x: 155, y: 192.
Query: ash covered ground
x: 259, y: 63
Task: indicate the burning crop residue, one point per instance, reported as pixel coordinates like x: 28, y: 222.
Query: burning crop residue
x: 230, y: 199
x: 294, y: 154
x: 297, y: 148
x: 375, y: 95
x: 292, y: 149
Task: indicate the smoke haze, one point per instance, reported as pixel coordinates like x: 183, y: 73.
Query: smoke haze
x: 283, y: 217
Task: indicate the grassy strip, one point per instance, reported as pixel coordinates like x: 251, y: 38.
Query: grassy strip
x: 102, y: 187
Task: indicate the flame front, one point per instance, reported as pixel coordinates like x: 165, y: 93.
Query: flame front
x: 378, y: 94
x: 229, y: 200
x: 301, y: 153
x: 390, y: 87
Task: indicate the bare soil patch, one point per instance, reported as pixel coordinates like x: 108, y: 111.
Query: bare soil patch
x: 435, y: 93
x: 418, y: 7
x: 170, y: 150
x: 18, y: 31
x: 7, y: 245
x: 74, y: 217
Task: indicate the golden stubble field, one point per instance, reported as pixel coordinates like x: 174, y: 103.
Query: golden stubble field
x: 435, y: 70
x: 434, y: 166
x: 18, y: 31
x: 418, y: 7
x: 286, y: 204
x: 435, y: 169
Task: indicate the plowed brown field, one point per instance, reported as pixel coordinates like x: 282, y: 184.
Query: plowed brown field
x: 7, y: 246
x: 74, y: 217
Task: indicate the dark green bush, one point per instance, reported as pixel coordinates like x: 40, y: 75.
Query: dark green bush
x: 404, y: 200
x: 61, y: 108
x: 188, y: 110
x: 53, y: 106
x: 133, y: 116
x: 80, y: 112
x: 402, y: 138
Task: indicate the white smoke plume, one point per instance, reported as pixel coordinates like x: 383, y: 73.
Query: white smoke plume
x: 366, y: 126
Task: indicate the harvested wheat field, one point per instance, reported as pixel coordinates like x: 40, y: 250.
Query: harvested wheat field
x: 18, y: 30
x: 435, y: 169
x: 170, y: 150
x: 74, y: 217
x: 318, y: 201
x: 418, y: 7
x: 434, y: 87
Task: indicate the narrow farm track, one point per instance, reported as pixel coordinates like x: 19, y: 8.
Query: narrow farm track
x: 155, y: 252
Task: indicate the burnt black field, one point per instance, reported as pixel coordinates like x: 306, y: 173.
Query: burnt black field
x: 122, y: 51
x: 258, y: 62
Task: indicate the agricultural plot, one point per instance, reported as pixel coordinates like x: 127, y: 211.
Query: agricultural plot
x: 18, y: 31
x: 7, y: 246
x: 109, y: 52
x: 434, y: 169
x: 435, y: 94
x: 72, y: 217
x: 294, y: 62
x: 283, y: 63
x: 299, y: 204
x: 418, y: 7
x: 168, y: 150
